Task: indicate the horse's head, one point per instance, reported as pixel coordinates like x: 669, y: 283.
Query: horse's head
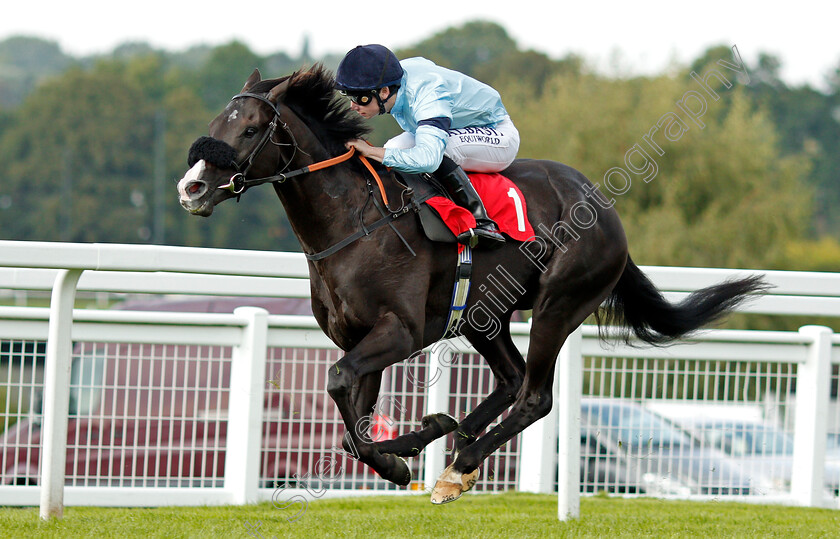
x: 264, y: 130
x: 242, y: 141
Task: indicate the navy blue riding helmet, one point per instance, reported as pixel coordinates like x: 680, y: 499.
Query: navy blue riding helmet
x: 366, y: 69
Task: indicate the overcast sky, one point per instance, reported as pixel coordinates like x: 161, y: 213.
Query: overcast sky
x: 639, y: 36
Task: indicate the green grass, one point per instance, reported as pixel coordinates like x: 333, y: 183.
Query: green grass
x: 474, y: 516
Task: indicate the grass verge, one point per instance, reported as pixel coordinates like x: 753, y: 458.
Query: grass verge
x: 482, y: 515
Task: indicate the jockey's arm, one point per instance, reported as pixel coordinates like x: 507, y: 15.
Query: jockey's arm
x: 425, y: 156
x: 366, y: 149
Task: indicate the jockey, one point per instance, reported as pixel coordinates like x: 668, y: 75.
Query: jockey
x: 450, y: 121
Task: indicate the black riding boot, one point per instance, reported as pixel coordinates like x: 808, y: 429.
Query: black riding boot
x: 457, y: 183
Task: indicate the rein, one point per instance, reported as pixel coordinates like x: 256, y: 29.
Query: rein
x: 239, y: 182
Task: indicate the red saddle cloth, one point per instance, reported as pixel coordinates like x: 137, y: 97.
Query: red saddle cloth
x: 502, y: 200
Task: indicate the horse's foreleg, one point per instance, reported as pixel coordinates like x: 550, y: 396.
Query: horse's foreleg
x: 365, y: 392
x: 508, y: 368
x: 432, y: 427
x: 351, y: 386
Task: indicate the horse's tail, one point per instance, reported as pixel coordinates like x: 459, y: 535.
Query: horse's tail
x: 639, y: 308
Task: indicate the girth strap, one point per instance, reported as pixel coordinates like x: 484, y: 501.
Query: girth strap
x: 460, y: 292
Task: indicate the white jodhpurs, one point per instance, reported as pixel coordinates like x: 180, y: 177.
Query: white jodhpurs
x: 477, y: 149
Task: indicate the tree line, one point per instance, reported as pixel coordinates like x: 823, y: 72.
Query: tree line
x: 91, y: 147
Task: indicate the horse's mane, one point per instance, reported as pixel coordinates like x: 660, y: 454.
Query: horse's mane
x: 311, y: 94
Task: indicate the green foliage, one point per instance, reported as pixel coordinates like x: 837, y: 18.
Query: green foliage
x: 814, y: 255
x: 33, y: 56
x: 484, y: 50
x: 69, y: 164
x: 719, y: 195
x: 8, y: 417
x: 82, y: 152
x: 529, y: 68
x: 463, y: 48
x: 280, y: 64
x: 225, y: 72
x: 24, y: 61
x: 808, y: 122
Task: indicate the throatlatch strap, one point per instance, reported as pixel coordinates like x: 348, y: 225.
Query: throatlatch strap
x: 463, y: 273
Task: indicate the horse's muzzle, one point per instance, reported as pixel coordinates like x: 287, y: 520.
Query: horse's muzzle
x: 193, y: 191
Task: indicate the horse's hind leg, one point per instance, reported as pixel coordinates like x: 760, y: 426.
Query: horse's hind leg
x: 558, y: 310
x: 532, y: 402
x: 365, y: 392
x: 508, y: 368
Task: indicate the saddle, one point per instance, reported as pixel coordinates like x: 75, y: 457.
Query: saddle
x: 423, y: 188
x: 442, y: 220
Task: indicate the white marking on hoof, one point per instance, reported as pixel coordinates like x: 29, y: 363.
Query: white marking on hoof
x: 451, y: 484
x: 449, y: 475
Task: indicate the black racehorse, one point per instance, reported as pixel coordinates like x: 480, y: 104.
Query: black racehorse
x: 380, y: 301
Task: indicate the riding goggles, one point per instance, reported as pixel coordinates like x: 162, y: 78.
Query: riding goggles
x: 360, y: 98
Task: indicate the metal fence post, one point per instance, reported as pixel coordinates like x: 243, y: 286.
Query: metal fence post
x: 570, y: 367
x: 813, y: 383
x: 437, y: 400
x: 245, y: 408
x: 57, y: 393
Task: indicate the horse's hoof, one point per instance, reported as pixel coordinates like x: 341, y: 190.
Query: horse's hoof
x: 468, y: 480
x: 445, y: 492
x: 398, y: 471
x: 451, y: 484
x: 445, y: 422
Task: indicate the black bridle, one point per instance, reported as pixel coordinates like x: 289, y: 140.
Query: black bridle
x: 239, y: 182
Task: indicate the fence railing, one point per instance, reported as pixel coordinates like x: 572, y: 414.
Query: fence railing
x: 247, y: 418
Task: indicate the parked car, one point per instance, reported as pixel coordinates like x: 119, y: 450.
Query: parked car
x: 628, y: 449
x: 156, y: 415
x: 760, y: 449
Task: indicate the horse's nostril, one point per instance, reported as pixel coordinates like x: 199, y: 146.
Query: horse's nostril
x: 194, y: 188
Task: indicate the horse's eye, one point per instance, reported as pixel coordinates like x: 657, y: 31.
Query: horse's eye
x: 250, y: 132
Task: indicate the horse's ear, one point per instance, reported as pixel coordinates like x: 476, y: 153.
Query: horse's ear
x: 278, y: 89
x: 252, y: 80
